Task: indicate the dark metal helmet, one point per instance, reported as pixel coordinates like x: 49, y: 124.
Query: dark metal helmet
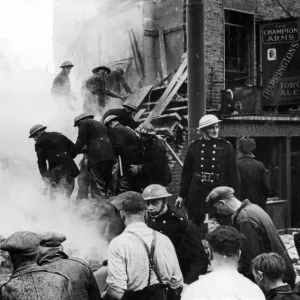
x: 155, y: 191
x: 107, y: 69
x: 36, y: 128
x: 109, y: 118
x: 146, y: 128
x: 131, y: 106
x: 66, y: 63
x: 81, y: 117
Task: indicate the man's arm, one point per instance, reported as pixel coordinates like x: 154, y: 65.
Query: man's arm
x: 80, y: 142
x: 125, y: 85
x: 113, y: 94
x: 94, y: 293
x: 265, y: 181
x: 42, y: 164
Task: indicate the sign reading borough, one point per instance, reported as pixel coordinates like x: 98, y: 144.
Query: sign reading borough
x: 281, y: 62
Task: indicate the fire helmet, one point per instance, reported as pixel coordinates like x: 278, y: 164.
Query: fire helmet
x: 131, y: 106
x: 66, y: 63
x: 81, y: 117
x: 107, y: 69
x: 109, y: 118
x: 155, y: 191
x: 36, y: 128
x: 208, y: 120
x: 146, y: 128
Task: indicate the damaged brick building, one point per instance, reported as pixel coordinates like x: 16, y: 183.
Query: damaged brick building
x: 246, y: 43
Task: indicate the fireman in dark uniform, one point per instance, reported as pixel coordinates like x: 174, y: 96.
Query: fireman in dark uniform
x: 52, y: 258
x: 96, y: 88
x: 93, y: 140
x: 124, y: 115
x: 55, y: 149
x: 193, y: 259
x: 152, y: 164
x: 210, y: 162
x: 125, y: 145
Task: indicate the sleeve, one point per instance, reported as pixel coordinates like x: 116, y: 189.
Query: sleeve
x: 81, y: 140
x: 69, y: 143
x: 117, y: 142
x: 125, y: 85
x: 130, y: 122
x: 41, y: 161
x: 265, y: 181
x: 192, y: 244
x: 157, y: 158
x: 232, y: 171
x: 117, y: 276
x: 252, y: 246
x: 186, y: 174
x: 94, y: 293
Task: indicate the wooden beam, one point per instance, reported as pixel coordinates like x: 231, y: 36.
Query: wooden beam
x: 177, y: 80
x: 288, y: 183
x: 155, y: 33
x: 162, y: 50
x: 139, y: 114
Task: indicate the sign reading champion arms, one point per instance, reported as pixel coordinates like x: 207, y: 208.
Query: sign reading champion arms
x: 281, y: 62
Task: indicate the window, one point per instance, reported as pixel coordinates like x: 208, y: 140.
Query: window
x: 238, y: 30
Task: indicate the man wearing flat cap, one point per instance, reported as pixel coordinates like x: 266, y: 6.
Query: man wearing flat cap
x: 254, y: 179
x: 210, y: 162
x: 95, y: 89
x: 28, y: 280
x: 51, y: 257
x: 256, y: 225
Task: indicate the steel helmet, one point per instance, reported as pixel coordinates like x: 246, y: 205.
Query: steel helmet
x: 107, y: 69
x: 109, y: 118
x: 131, y: 106
x: 81, y: 117
x: 66, y: 63
x: 34, y: 129
x: 155, y: 191
x: 208, y: 120
x: 146, y: 128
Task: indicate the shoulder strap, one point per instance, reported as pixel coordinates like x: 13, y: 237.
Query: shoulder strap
x: 150, y: 254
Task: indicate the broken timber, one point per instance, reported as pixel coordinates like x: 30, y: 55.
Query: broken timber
x: 162, y: 49
x: 176, y: 82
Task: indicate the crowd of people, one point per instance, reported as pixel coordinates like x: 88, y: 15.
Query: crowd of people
x: 227, y: 246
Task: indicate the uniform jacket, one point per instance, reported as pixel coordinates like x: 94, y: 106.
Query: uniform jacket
x: 96, y: 85
x: 84, y: 285
x: 114, y: 81
x: 192, y: 257
x: 203, y: 158
x: 54, y: 148
x: 261, y: 237
x: 36, y: 283
x: 61, y: 85
x: 283, y: 292
x: 154, y: 163
x: 125, y: 143
x: 124, y: 117
x: 92, y: 134
x: 254, y: 180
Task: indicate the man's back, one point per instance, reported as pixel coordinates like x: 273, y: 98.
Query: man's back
x: 128, y: 261
x: 36, y: 283
x: 225, y: 284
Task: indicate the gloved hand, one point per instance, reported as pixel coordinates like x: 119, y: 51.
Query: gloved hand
x: 135, y: 169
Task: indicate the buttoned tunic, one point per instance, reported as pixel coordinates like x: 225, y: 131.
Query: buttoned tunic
x: 208, y: 164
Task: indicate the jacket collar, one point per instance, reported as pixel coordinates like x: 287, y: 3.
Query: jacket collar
x: 246, y: 155
x: 281, y: 290
x: 244, y: 204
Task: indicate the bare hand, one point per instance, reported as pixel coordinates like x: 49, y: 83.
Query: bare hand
x: 179, y: 202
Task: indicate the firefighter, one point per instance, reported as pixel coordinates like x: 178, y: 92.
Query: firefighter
x: 152, y: 165
x: 61, y: 84
x: 28, y: 280
x: 124, y: 115
x: 125, y: 145
x: 116, y: 79
x: 92, y: 139
x: 184, y: 235
x: 52, y: 257
x: 210, y: 162
x: 55, y: 149
x: 96, y: 88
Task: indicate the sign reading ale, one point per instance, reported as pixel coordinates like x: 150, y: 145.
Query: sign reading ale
x: 281, y: 63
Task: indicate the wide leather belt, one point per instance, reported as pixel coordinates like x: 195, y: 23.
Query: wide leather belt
x: 208, y: 177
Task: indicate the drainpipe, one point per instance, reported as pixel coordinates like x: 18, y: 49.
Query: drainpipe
x: 196, y: 65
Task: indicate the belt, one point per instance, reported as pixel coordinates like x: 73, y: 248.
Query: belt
x: 208, y: 177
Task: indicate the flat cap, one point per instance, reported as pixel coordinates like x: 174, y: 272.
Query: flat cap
x: 21, y: 242
x: 52, y: 239
x: 219, y: 193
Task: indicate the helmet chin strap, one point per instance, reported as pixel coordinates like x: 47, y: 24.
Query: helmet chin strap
x: 163, y: 209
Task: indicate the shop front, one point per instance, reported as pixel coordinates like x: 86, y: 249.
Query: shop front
x: 278, y: 147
